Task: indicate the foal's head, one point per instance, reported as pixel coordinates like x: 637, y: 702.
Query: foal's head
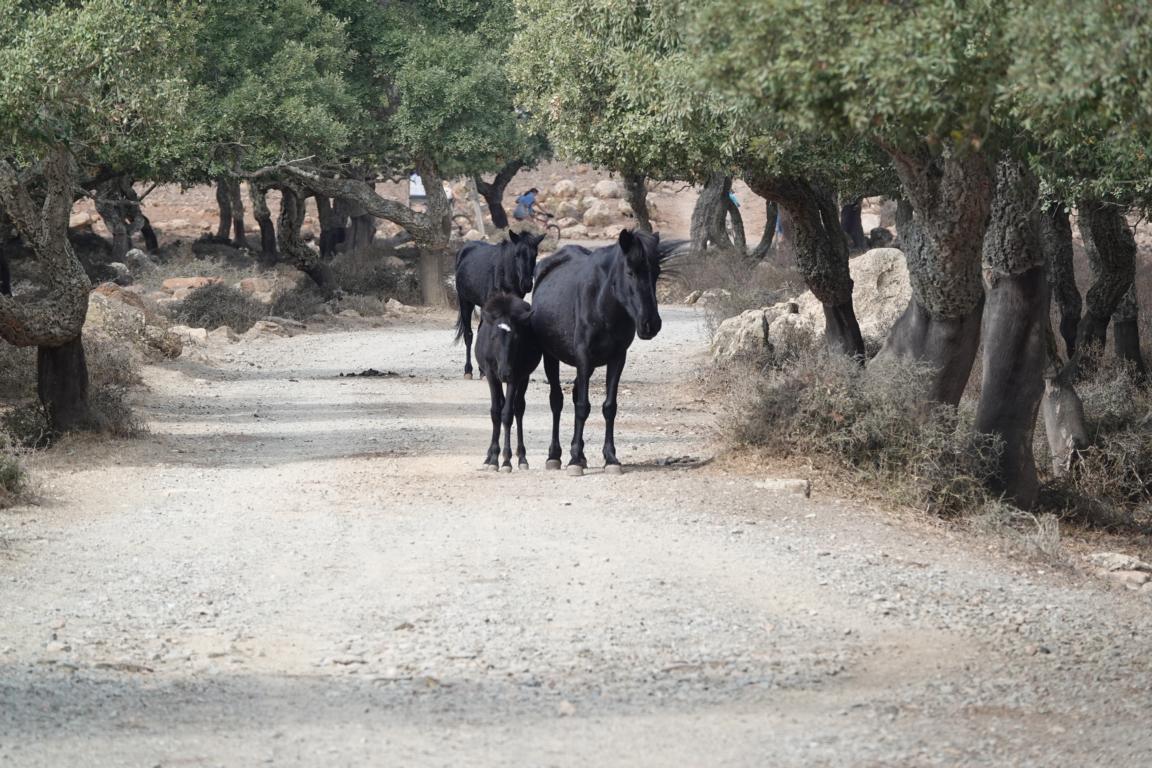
x: 525, y: 246
x: 508, y: 323
x: 636, y: 277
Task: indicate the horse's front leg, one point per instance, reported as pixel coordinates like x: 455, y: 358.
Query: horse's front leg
x: 506, y: 415
x: 466, y: 326
x: 521, y: 391
x: 496, y: 410
x: 612, y: 384
x: 578, y: 462
x: 556, y: 400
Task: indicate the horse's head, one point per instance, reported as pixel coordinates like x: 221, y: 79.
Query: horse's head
x: 636, y: 277
x: 526, y: 246
x: 508, y: 321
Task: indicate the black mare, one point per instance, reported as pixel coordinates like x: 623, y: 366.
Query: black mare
x: 484, y: 270
x: 588, y: 306
x: 507, y: 352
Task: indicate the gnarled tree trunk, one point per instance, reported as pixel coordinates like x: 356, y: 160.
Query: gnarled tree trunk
x: 119, y: 207
x: 738, y: 236
x: 768, y: 238
x: 1111, y: 250
x: 851, y: 224
x: 52, y: 320
x: 711, y: 213
x: 236, y: 206
x: 1015, y: 326
x: 636, y: 193
x: 493, y: 191
x: 951, y: 198
x: 435, y: 260
x: 292, y: 245
x: 224, y: 208
x: 1056, y: 240
x: 1126, y: 333
x: 258, y: 194
x: 821, y: 251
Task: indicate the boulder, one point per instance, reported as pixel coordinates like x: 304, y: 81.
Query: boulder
x: 80, y: 220
x: 742, y: 336
x: 565, y: 189
x: 397, y: 263
x: 119, y: 293
x: 191, y: 336
x: 566, y: 222
x: 574, y: 232
x: 607, y: 189
x: 122, y: 316
x: 568, y: 209
x: 624, y: 209
x: 693, y: 297
x: 174, y: 284
x: 600, y: 214
x: 392, y: 305
x: 252, y: 285
x: 473, y: 235
x: 264, y: 329
x: 223, y: 335
x: 138, y: 261
x: 712, y: 295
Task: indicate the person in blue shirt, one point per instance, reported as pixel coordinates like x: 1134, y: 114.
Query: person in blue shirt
x: 526, y: 206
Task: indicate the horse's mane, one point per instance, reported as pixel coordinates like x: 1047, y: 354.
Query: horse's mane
x: 561, y: 257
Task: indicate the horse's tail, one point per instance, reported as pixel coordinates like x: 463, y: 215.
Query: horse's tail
x: 462, y: 320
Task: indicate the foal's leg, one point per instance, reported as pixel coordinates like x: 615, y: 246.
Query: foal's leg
x: 556, y: 400
x: 521, y: 391
x: 612, y: 383
x: 577, y: 462
x: 466, y: 320
x: 496, y: 409
x: 506, y: 415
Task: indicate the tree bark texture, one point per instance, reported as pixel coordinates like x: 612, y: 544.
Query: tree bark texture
x: 1126, y: 333
x: 224, y: 207
x: 951, y: 198
x: 119, y: 207
x: 493, y: 191
x: 435, y: 259
x: 762, y: 248
x: 636, y: 193
x: 738, y: 236
x: 852, y: 225
x: 1056, y: 240
x: 258, y: 195
x: 821, y: 251
x: 711, y: 213
x: 292, y: 245
x: 1015, y: 328
x: 56, y: 316
x: 1063, y: 411
x: 236, y: 206
x: 62, y: 386
x: 1111, y: 250
x: 332, y: 227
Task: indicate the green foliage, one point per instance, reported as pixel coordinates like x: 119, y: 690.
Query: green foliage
x: 218, y: 304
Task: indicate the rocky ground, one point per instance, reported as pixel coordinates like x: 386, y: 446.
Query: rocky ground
x: 300, y: 568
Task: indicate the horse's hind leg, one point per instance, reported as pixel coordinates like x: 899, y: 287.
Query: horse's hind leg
x: 466, y: 325
x: 577, y: 462
x: 521, y: 454
x: 496, y: 411
x: 611, y: 385
x: 506, y: 414
x: 556, y: 400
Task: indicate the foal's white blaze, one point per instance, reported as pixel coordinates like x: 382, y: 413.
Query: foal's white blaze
x: 504, y: 327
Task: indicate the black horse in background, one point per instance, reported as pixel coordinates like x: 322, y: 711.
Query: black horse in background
x: 588, y: 306
x: 507, y: 352
x: 484, y: 270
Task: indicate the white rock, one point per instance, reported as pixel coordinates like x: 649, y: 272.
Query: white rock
x: 575, y: 232
x: 798, y: 486
x: 223, y: 335
x: 745, y: 335
x: 188, y: 335
x: 607, y: 189
x: 565, y: 189
x: 472, y: 235
x: 1115, y: 561
x: 600, y: 214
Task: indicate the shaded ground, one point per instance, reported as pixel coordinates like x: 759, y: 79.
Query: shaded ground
x: 302, y: 569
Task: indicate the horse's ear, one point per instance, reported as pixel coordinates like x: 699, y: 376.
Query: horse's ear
x: 627, y: 240
x: 537, y: 239
x: 513, y: 237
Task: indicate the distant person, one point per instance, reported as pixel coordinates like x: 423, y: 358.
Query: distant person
x: 526, y: 207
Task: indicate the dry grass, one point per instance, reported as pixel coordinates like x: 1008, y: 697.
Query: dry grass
x: 741, y: 284
x: 218, y: 304
x: 375, y: 272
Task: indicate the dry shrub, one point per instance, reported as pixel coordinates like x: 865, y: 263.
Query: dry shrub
x: 13, y: 480
x: 298, y: 303
x: 17, y: 372
x: 374, y: 272
x: 112, y: 413
x: 110, y: 363
x: 1034, y: 536
x: 1111, y: 482
x: 870, y: 423
x: 740, y: 283
x: 219, y: 304
x: 367, y: 306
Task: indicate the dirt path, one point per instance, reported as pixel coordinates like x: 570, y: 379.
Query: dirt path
x: 298, y: 569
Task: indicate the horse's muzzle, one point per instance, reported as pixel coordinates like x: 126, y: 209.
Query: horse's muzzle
x: 648, y: 331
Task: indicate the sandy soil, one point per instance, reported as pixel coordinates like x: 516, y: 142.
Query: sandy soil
x: 300, y: 569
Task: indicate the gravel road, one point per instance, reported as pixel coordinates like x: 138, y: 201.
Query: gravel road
x: 300, y: 569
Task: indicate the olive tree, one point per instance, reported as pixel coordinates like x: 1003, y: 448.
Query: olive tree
x: 85, y: 89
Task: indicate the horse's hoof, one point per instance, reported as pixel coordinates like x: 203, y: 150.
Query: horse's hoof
x: 552, y: 464
x: 523, y: 465
x: 613, y: 469
x: 506, y: 468
x: 468, y: 376
x: 492, y: 467
x: 575, y: 470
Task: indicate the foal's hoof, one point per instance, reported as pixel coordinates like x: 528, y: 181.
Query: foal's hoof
x: 552, y: 464
x: 468, y: 376
x: 491, y: 467
x: 522, y: 465
x: 506, y: 468
x: 575, y: 470
x: 613, y: 469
